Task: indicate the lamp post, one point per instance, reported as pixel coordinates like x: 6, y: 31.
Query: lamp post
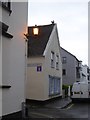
x: 26, y: 42
x: 24, y: 106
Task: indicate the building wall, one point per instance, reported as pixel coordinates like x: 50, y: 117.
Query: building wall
x: 0, y: 65
x: 38, y: 82
x: 53, y: 45
x: 35, y: 78
x: 89, y: 34
x: 70, y: 67
x: 85, y: 71
x: 0, y: 76
x: 13, y: 58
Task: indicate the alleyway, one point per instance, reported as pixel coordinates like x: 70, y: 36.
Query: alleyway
x: 60, y: 108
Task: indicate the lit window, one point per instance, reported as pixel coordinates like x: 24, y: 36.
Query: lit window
x: 35, y: 31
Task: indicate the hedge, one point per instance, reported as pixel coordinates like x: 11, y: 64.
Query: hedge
x: 65, y: 87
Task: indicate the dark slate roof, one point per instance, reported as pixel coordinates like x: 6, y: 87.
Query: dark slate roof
x: 37, y: 43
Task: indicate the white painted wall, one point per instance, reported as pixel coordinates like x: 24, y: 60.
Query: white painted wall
x: 35, y: 80
x: 13, y: 59
x: 53, y: 45
x: 0, y: 75
x: 89, y: 34
x: 84, y: 71
x: 0, y: 65
x: 37, y: 87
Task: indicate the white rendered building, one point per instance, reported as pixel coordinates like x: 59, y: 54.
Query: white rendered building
x: 13, y: 25
x: 44, y: 70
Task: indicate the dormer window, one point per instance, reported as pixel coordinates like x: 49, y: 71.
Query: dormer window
x: 35, y: 30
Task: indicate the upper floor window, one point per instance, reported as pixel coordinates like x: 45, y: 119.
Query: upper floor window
x: 6, y: 4
x: 57, y: 62
x: 88, y: 77
x: 63, y: 71
x: 87, y: 70
x: 64, y: 60
x: 52, y: 59
x: 77, y: 72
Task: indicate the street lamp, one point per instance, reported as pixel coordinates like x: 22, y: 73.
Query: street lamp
x: 26, y: 36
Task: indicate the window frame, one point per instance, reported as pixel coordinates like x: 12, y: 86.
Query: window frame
x: 52, y: 59
x: 78, y: 72
x: 6, y: 5
x: 54, y: 85
x: 64, y: 60
x: 57, y: 86
x: 57, y: 62
x: 51, y: 85
x: 64, y: 72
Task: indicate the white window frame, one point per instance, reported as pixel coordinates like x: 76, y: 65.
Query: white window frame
x: 51, y: 85
x: 57, y: 86
x: 64, y: 60
x: 57, y: 62
x: 52, y: 59
x: 54, y: 85
x: 6, y: 3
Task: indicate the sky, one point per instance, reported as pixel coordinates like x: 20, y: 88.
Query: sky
x: 71, y: 18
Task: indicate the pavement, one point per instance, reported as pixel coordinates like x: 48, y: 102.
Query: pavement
x: 45, y: 109
x: 59, y: 103
x: 55, y: 103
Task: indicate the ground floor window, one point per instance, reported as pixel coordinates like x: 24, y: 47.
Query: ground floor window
x: 54, y: 85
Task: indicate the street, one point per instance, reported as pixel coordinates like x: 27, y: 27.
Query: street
x: 74, y: 110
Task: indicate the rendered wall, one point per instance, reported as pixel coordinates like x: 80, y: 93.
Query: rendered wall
x: 13, y: 58
x: 53, y: 45
x: 35, y: 79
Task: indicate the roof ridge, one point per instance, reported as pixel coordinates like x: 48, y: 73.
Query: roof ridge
x: 42, y: 25
x: 70, y: 53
